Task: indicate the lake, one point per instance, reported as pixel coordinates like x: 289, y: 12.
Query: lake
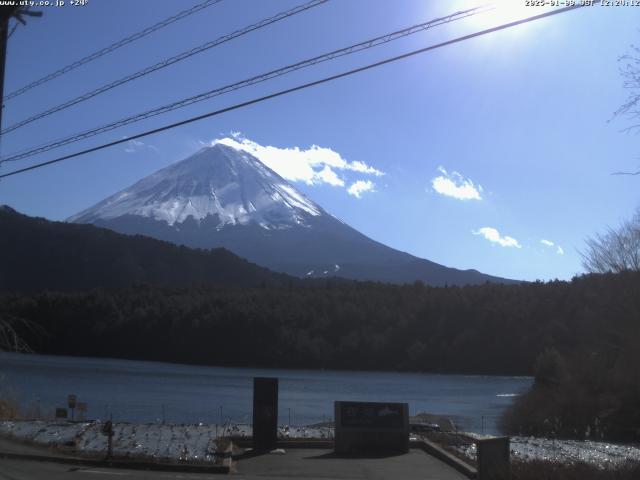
x: 151, y: 392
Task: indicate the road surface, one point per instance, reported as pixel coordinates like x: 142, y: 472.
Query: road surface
x: 35, y: 470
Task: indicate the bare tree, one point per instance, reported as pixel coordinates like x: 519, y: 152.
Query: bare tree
x: 617, y: 250
x: 10, y: 339
x: 630, y: 71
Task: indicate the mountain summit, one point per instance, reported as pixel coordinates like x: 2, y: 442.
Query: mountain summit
x: 223, y: 197
x: 217, y: 181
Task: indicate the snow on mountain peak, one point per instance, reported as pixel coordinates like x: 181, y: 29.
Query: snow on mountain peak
x: 215, y: 181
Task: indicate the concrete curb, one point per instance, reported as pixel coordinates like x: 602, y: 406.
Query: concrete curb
x: 125, y: 464
x: 305, y: 443
x: 444, y: 456
x: 246, y: 444
x: 289, y: 443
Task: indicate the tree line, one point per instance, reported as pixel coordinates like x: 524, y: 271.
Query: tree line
x: 579, y: 338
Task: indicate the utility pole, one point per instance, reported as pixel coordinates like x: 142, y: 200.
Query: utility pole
x: 4, y: 36
x: 6, y: 13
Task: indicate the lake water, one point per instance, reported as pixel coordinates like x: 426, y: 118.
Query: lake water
x: 151, y: 392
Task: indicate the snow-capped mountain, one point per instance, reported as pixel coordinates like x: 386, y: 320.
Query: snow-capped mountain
x: 219, y: 181
x: 223, y: 197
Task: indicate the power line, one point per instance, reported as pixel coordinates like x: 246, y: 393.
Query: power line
x: 296, y: 88
x: 247, y: 82
x: 169, y: 61
x: 13, y: 30
x: 112, y: 47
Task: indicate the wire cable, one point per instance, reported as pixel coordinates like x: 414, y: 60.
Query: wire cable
x: 112, y: 47
x: 245, y: 83
x: 165, y: 63
x: 297, y: 88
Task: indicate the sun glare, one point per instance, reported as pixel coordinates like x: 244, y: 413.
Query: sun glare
x: 500, y: 12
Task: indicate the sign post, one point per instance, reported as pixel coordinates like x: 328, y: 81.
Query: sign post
x: 371, y: 427
x: 71, y: 401
x: 107, y: 429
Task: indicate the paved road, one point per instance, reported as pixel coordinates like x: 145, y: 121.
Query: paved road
x: 309, y: 464
x: 296, y: 463
x: 323, y: 465
x: 33, y: 470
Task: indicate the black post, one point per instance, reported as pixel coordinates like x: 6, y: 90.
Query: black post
x: 110, y: 445
x: 107, y: 429
x: 494, y: 458
x: 265, y: 413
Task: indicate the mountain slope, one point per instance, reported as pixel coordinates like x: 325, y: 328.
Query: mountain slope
x: 223, y: 197
x: 37, y: 254
x: 221, y: 182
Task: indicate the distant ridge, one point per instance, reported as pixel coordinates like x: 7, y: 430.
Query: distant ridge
x: 37, y: 254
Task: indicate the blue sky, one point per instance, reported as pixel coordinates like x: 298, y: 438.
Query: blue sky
x: 470, y: 155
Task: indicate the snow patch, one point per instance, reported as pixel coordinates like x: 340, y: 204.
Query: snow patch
x: 600, y: 454
x: 164, y: 442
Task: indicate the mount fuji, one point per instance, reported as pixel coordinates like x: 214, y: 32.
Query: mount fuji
x: 224, y: 197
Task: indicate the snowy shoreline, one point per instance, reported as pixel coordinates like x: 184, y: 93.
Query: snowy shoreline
x: 192, y: 443
x: 198, y: 443
x: 195, y: 443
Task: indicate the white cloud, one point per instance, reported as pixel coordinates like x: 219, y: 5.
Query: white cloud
x: 329, y: 176
x: 362, y: 167
x: 549, y: 243
x: 494, y: 236
x: 133, y: 146
x: 455, y: 185
x: 358, y: 187
x: 313, y: 166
